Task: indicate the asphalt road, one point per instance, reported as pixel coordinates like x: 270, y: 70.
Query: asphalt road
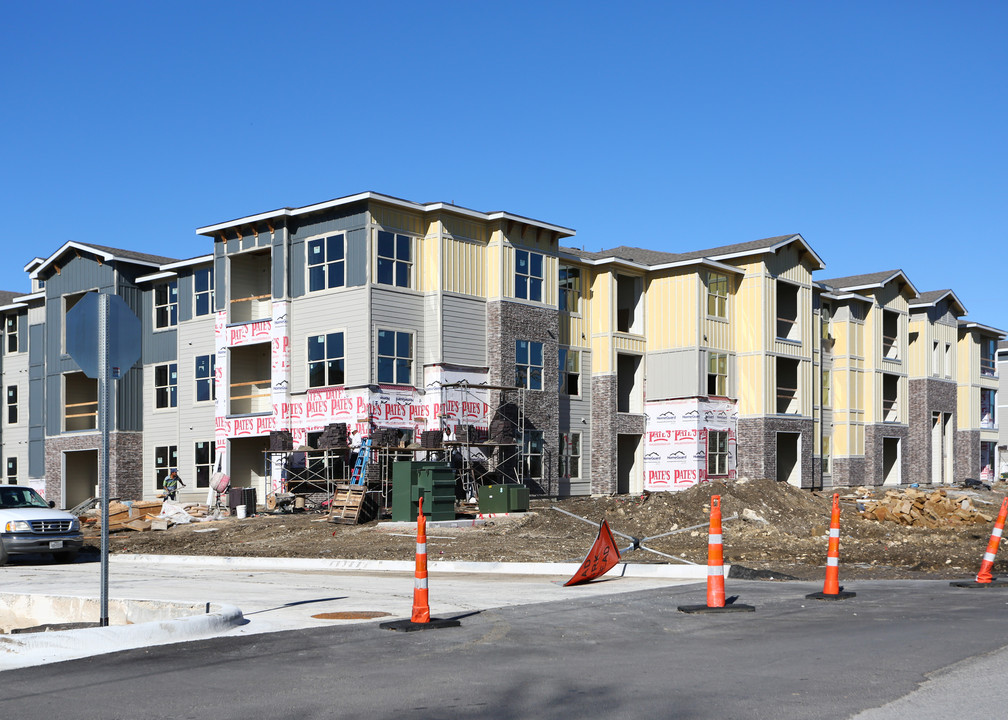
x: 613, y: 656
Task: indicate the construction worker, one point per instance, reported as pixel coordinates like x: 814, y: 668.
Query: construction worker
x: 171, y: 484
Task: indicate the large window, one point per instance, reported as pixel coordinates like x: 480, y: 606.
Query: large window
x: 205, y: 455
x: 395, y: 259
x: 717, y: 453
x: 717, y: 374
x: 532, y: 454
x: 325, y: 360
x: 988, y: 355
x: 166, y: 304
x: 890, y: 398
x: 205, y: 387
x: 165, y: 458
x: 988, y: 408
x: 787, y: 386
x: 203, y: 287
x: 12, y: 404
x: 788, y: 327
x: 528, y: 275
x: 395, y: 357
x: 11, y: 328
x: 529, y: 364
x: 570, y: 372
x: 570, y: 288
x: 326, y: 262
x: 166, y: 385
x: 717, y: 295
x: 570, y: 455
x: 890, y: 334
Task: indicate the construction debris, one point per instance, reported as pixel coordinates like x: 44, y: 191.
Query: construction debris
x: 918, y: 508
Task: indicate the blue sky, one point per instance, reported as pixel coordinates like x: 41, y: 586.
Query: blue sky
x: 877, y: 130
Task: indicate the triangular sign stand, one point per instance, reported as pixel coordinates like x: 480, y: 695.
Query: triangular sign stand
x: 602, y: 557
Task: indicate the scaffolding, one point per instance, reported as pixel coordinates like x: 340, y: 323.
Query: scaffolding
x: 314, y: 482
x: 497, y: 456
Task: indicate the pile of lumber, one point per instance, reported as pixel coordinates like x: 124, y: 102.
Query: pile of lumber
x: 918, y: 508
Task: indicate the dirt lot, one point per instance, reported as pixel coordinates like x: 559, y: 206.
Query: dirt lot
x: 791, y: 542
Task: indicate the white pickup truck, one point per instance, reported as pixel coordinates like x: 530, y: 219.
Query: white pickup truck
x: 28, y: 524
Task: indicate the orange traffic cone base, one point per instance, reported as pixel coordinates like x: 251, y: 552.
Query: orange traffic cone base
x: 839, y: 595
x: 410, y: 626
x: 726, y: 608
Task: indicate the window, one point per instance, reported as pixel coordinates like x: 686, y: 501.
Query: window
x: 528, y: 275
x: 395, y: 357
x: 570, y: 372
x: 717, y: 453
x: 12, y: 334
x: 80, y: 397
x: 826, y: 455
x: 628, y: 304
x: 787, y: 312
x: 326, y: 263
x: 570, y: 455
x: 528, y: 364
x: 890, y: 398
x: 988, y: 408
x: 12, y: 405
x: 166, y: 304
x: 936, y: 358
x: 787, y: 386
x: 717, y: 374
x: 205, y: 371
x: 890, y: 335
x: 165, y: 458
x: 12, y: 471
x: 166, y: 385
x: 205, y: 454
x: 570, y: 289
x: 948, y: 360
x: 827, y: 389
x: 532, y: 454
x: 988, y: 453
x: 395, y: 259
x: 203, y: 286
x: 988, y: 353
x: 717, y: 295
x: 325, y: 360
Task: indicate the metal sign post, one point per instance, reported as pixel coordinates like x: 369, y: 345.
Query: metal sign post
x: 103, y: 336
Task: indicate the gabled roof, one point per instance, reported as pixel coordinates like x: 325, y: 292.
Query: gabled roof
x: 869, y: 281
x: 7, y: 297
x: 933, y: 297
x: 212, y: 230
x: 108, y: 254
x: 653, y: 258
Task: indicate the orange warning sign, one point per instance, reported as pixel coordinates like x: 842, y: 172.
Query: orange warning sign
x: 602, y: 557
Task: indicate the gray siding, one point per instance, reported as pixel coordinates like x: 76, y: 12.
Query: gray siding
x: 220, y: 277
x: 675, y: 373
x: 185, y: 296
x: 403, y: 312
x: 354, y: 224
x: 464, y: 331
x: 158, y: 345
x: 343, y: 311
x: 279, y: 264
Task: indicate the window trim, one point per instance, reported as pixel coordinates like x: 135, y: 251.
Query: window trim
x: 395, y: 260
x: 211, y: 380
x: 529, y: 366
x: 568, y: 458
x: 712, y: 356
x: 718, y: 299
x: 171, y: 307
x: 325, y: 360
x: 209, y: 292
x: 324, y: 238
x: 172, y: 401
x: 718, y: 456
x: 565, y: 354
x: 197, y: 465
x: 528, y: 277
x: 14, y: 335
x: 12, y: 407
x: 171, y: 461
x: 565, y: 290
x: 396, y: 358
x: 11, y: 478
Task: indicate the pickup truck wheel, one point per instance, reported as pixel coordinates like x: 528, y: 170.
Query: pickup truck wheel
x: 65, y: 557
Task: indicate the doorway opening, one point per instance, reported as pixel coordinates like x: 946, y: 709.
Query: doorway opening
x: 789, y: 458
x: 80, y: 476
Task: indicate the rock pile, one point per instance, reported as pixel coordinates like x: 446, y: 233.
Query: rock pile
x: 919, y: 508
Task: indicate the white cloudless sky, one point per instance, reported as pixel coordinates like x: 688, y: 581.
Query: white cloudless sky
x: 876, y: 130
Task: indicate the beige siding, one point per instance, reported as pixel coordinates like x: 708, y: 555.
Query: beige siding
x: 671, y: 309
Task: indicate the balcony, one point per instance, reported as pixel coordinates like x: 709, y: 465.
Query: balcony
x: 250, y: 291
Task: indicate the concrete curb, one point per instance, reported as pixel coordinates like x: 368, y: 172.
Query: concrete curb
x: 675, y: 572
x: 17, y: 651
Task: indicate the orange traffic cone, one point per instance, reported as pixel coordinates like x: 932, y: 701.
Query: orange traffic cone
x: 831, y: 588
x: 984, y: 578
x: 715, y: 569
x: 421, y: 606
x: 421, y: 618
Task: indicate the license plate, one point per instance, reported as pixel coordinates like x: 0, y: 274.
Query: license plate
x: 55, y: 544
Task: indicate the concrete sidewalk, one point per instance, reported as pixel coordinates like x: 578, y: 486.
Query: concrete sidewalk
x: 258, y: 595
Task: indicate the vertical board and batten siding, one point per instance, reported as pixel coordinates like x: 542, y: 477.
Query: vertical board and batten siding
x: 463, y: 267
x: 551, y: 269
x: 185, y: 294
x: 968, y: 382
x: 495, y: 263
x: 157, y: 345
x: 15, y: 437
x: 601, y: 322
x: 671, y: 310
x: 463, y: 338
x: 354, y: 225
x: 919, y: 352
x: 343, y: 311
x: 278, y: 266
x: 750, y: 332
x: 402, y: 312
x: 220, y: 276
x: 36, y: 397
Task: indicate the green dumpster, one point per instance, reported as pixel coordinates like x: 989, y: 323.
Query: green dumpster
x: 505, y: 498
x: 436, y: 480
